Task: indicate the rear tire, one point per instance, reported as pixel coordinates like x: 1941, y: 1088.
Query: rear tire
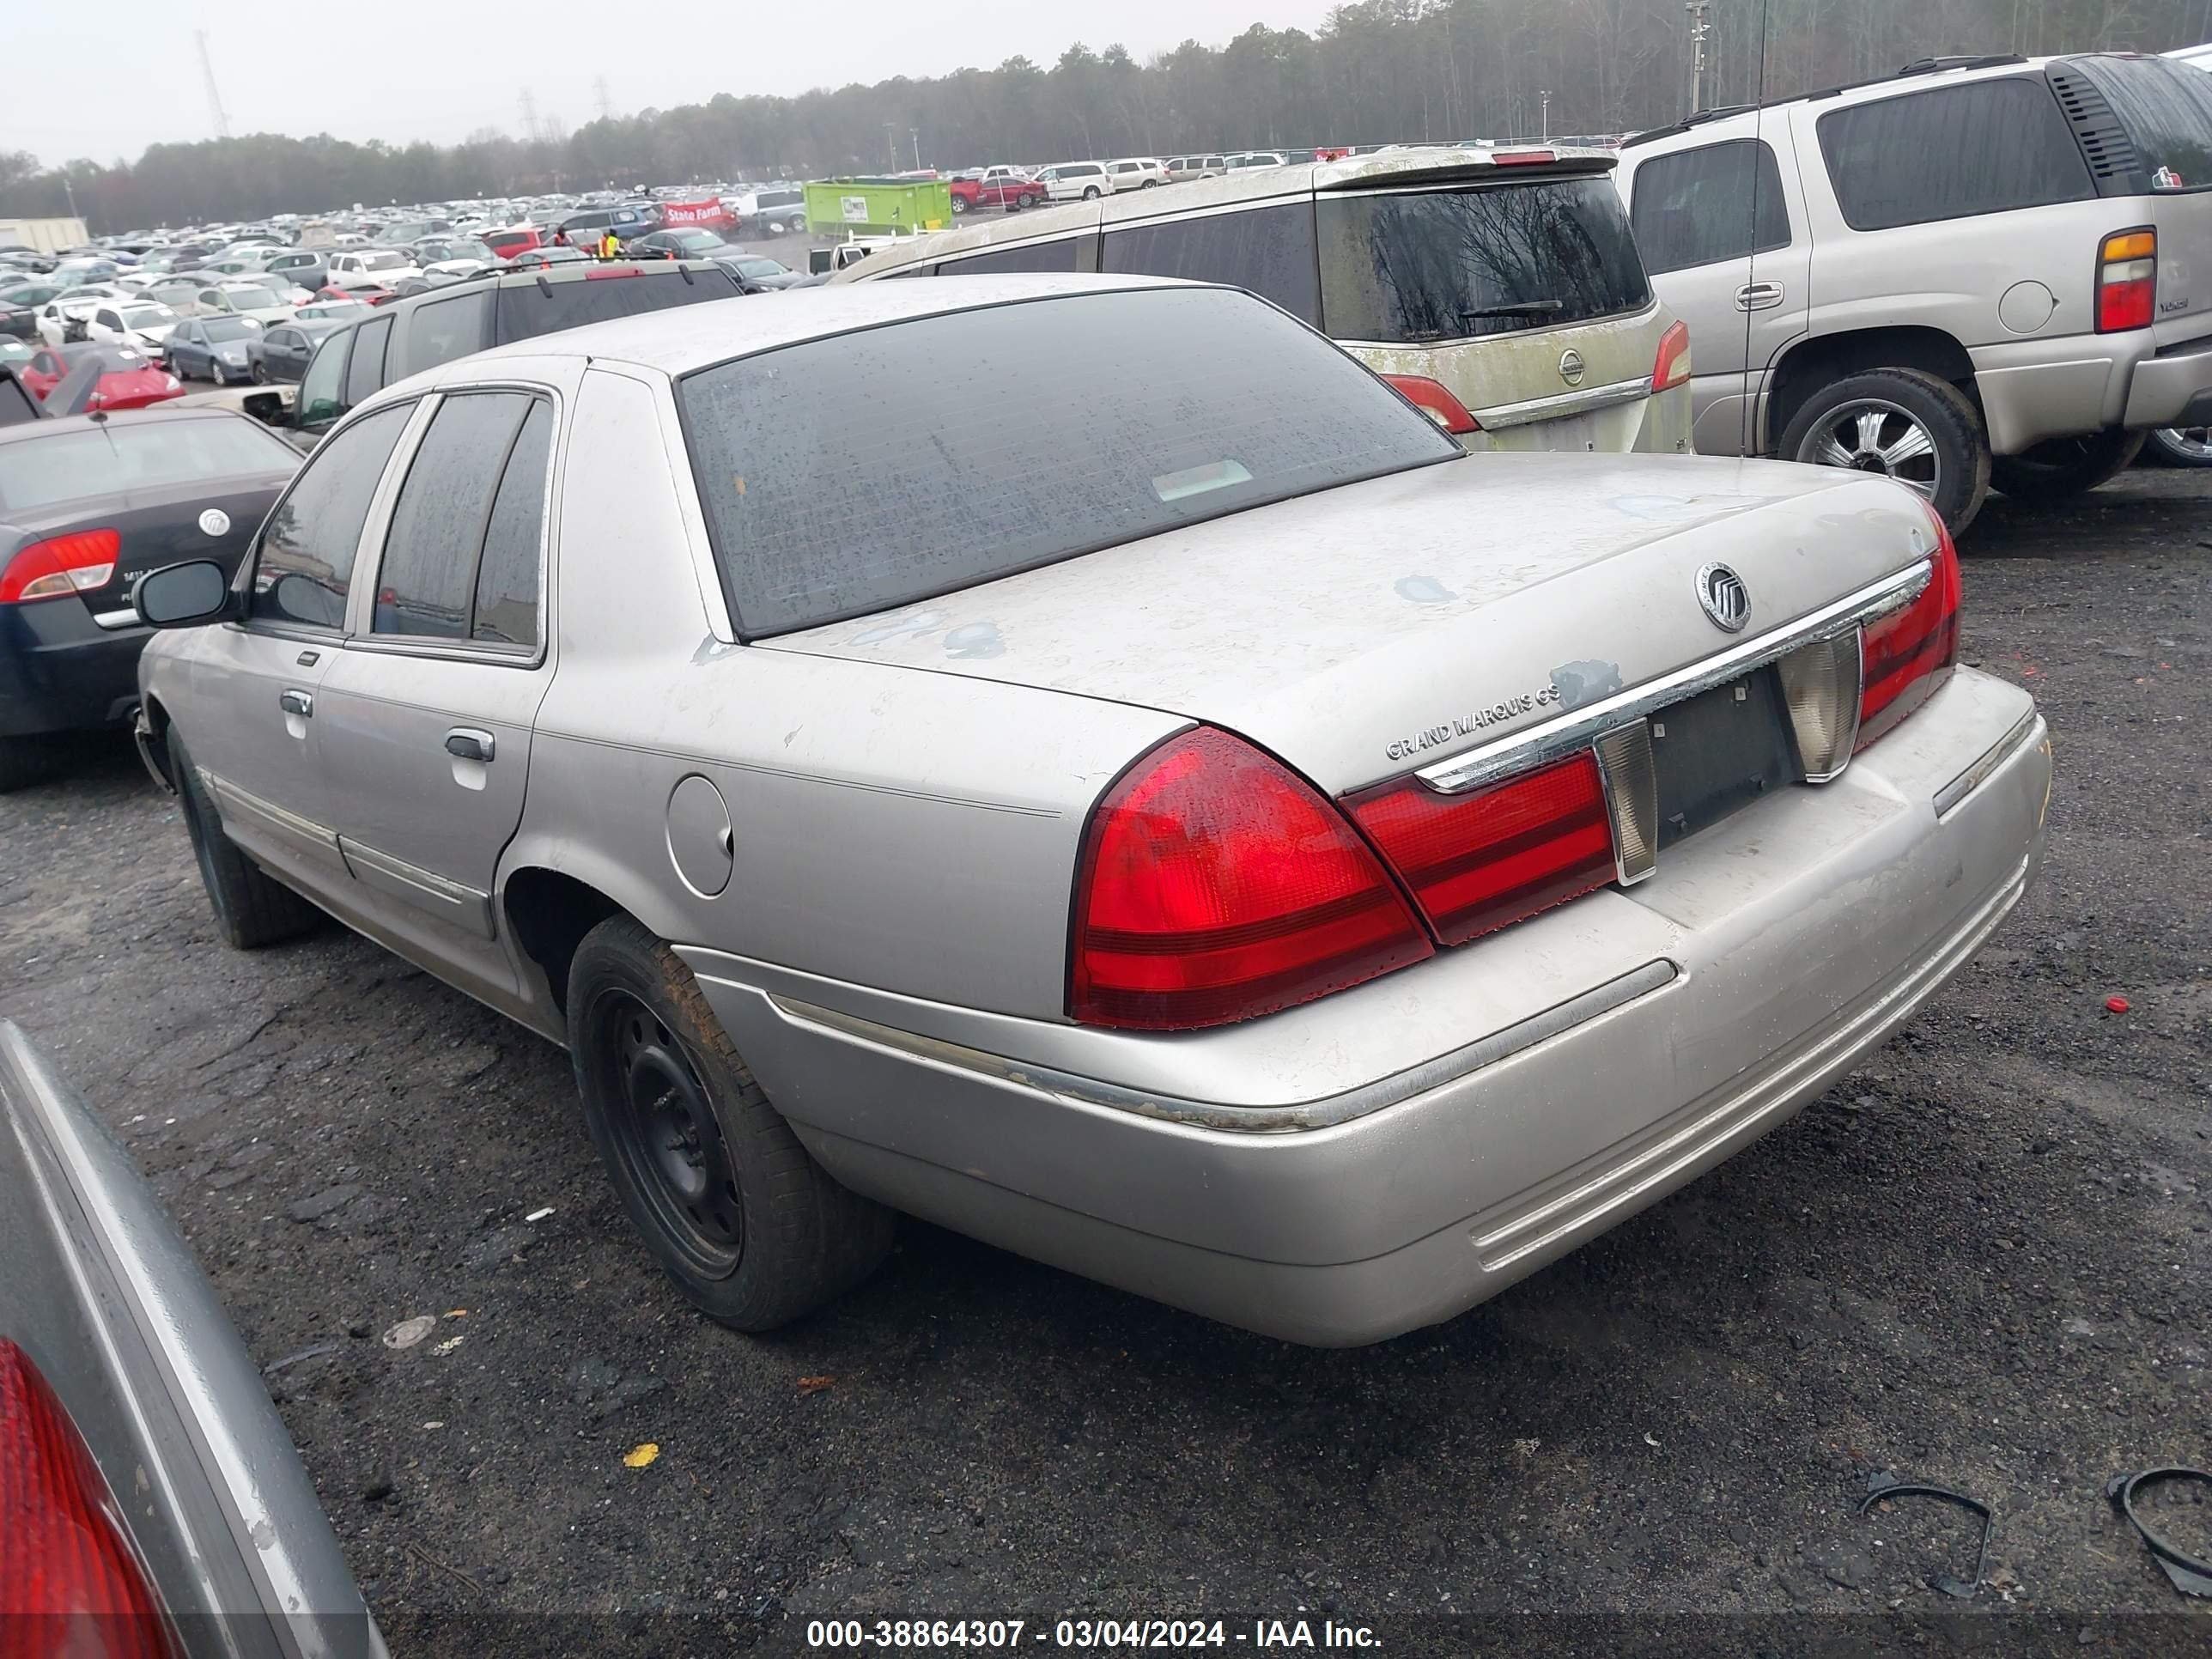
x: 27, y: 761
x: 753, y: 1231
x: 1091, y: 192
x: 251, y: 908
x: 2061, y: 468
x: 2176, y: 446
x: 1915, y: 427
x: 959, y: 207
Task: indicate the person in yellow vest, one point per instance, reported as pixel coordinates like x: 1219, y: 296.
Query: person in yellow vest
x: 609, y: 246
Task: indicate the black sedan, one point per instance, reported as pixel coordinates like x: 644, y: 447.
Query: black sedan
x: 19, y: 307
x: 281, y: 353
x: 89, y: 503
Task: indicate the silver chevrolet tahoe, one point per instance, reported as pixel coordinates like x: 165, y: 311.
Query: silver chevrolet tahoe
x: 1993, y: 270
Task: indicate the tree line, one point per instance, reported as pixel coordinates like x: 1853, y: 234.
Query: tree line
x: 1374, y: 72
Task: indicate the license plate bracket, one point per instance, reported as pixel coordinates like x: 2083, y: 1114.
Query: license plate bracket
x: 1718, y: 752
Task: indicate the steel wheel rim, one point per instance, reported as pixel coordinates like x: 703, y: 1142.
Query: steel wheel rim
x: 2194, y: 442
x: 664, y: 1131
x: 1872, y: 434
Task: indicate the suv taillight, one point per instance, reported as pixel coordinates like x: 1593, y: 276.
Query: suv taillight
x: 60, y: 565
x: 1216, y: 884
x: 1672, y: 366
x: 70, y: 1581
x: 1479, y: 861
x: 1434, y: 399
x: 1904, y: 658
x: 2127, y: 280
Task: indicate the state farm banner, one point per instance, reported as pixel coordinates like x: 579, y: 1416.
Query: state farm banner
x: 710, y: 213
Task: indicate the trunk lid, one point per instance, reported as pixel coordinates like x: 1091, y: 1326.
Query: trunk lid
x: 1364, y: 631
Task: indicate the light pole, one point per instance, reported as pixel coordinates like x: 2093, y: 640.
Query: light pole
x: 915, y: 133
x: 1700, y: 29
x: 890, y: 142
x: 1544, y: 104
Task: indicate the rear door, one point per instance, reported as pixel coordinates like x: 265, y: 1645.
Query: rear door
x: 426, y: 714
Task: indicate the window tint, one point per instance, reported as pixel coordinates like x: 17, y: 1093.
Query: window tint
x: 439, y: 519
x: 442, y: 329
x: 527, y: 311
x: 1698, y: 206
x: 365, y: 375
x: 1986, y: 147
x: 108, y: 320
x: 506, y: 581
x: 306, y: 563
x: 100, y: 461
x: 1454, y: 265
x: 318, y: 403
x: 815, y: 516
x: 2168, y: 108
x: 1035, y: 256
x: 1268, y: 250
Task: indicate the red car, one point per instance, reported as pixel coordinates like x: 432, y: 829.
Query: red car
x: 370, y: 293
x: 997, y: 187
x: 125, y: 379
x: 518, y: 240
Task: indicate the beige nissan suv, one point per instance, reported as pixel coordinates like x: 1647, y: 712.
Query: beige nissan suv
x: 1978, y: 271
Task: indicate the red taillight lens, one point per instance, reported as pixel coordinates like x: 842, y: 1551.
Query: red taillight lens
x: 1906, y: 656
x: 1522, y: 158
x: 2127, y: 280
x: 1215, y: 885
x: 60, y: 565
x: 604, y: 271
x: 1672, y: 366
x: 1434, y: 399
x: 1477, y: 862
x: 70, y: 1582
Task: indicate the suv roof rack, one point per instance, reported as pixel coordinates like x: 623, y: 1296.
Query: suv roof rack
x: 1918, y: 66
x: 1695, y: 118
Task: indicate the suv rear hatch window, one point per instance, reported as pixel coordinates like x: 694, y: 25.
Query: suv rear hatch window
x: 816, y: 515
x: 529, y: 309
x: 1417, y: 267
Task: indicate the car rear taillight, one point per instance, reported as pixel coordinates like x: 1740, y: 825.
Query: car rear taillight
x: 1672, y: 367
x: 1477, y: 862
x: 1216, y: 884
x: 2127, y: 280
x: 1522, y: 158
x: 60, y: 565
x: 1904, y: 658
x: 70, y: 1581
x: 600, y: 271
x: 1434, y: 399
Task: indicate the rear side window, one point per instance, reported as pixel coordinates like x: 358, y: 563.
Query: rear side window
x: 305, y: 569
x: 2167, y: 107
x: 365, y: 375
x: 816, y: 516
x: 1268, y: 250
x: 507, y: 577
x: 1035, y: 256
x: 1422, y: 267
x: 526, y: 310
x: 442, y: 329
x: 442, y: 514
x: 1952, y: 153
x: 1697, y: 207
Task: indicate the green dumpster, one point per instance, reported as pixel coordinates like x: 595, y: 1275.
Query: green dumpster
x: 876, y: 207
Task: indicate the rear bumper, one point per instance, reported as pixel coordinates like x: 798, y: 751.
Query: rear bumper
x: 1762, y: 962
x: 61, y: 673
x: 2031, y: 390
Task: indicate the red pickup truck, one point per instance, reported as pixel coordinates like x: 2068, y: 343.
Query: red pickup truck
x: 1000, y: 187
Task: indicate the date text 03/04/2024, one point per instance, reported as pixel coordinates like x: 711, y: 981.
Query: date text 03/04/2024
x: 1086, y: 1633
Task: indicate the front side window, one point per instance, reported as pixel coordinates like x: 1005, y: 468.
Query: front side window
x: 442, y: 514
x: 815, y: 517
x: 1268, y: 250
x: 1698, y: 207
x: 1952, y: 153
x: 1419, y: 267
x: 305, y: 569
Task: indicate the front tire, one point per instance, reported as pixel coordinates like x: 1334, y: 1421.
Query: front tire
x: 754, y: 1232
x: 251, y: 908
x: 1902, y: 423
x: 2061, y: 468
x: 959, y: 207
x: 1091, y: 192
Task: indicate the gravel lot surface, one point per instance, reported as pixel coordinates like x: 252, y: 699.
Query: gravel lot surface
x: 1982, y: 1262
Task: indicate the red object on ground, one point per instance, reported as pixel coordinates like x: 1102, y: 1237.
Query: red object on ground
x: 2116, y: 1005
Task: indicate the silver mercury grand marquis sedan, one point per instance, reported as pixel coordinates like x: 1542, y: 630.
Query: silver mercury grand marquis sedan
x: 1170, y: 811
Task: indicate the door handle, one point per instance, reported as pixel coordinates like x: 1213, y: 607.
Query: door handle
x: 467, y: 743
x: 296, y: 702
x: 1759, y: 296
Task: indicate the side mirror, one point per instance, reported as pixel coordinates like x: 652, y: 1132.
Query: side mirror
x: 182, y: 595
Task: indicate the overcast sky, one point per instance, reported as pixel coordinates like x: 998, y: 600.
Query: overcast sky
x: 403, y: 69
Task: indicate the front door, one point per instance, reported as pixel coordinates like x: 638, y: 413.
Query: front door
x: 251, y: 717
x: 426, y: 714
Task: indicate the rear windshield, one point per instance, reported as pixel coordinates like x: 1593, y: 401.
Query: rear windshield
x: 872, y: 470
x: 526, y: 310
x: 2168, y: 109
x: 109, y: 458
x: 1453, y: 265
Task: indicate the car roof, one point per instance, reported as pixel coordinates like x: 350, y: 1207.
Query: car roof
x: 119, y: 417
x: 681, y: 338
